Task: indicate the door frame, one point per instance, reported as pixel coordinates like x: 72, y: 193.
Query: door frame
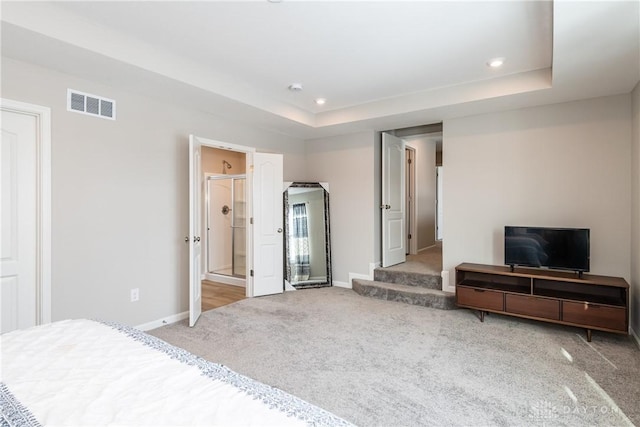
x: 439, y: 196
x: 43, y: 202
x: 249, y: 151
x: 411, y: 199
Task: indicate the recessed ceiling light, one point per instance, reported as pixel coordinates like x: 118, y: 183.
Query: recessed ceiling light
x: 295, y: 87
x: 320, y: 101
x: 495, y: 62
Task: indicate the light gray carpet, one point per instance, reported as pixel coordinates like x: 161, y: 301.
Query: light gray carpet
x: 382, y: 363
x: 428, y: 261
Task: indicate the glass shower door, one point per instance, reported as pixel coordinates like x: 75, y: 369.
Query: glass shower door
x: 239, y: 227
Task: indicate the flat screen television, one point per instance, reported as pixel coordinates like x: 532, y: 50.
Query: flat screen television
x: 543, y: 247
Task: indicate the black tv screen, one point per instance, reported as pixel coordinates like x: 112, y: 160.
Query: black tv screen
x: 556, y: 248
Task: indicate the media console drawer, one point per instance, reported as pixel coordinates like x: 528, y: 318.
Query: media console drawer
x: 480, y: 298
x: 595, y: 315
x: 532, y: 306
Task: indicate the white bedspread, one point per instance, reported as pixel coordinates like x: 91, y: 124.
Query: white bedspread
x: 86, y: 373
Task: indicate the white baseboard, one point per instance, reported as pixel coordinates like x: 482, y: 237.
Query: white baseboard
x: 342, y: 284
x: 163, y: 322
x: 372, y: 266
x: 227, y: 280
x: 635, y: 336
x: 288, y: 286
x: 426, y: 248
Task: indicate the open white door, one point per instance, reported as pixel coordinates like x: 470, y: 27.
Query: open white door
x: 268, y: 241
x: 25, y: 207
x: 393, y: 200
x: 195, y: 226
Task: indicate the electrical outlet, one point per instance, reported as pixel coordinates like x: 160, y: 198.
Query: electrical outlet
x: 135, y: 294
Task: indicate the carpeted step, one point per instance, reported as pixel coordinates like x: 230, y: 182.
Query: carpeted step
x: 408, y: 278
x: 425, y: 297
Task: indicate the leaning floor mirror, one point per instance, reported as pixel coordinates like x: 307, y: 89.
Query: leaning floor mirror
x: 307, y: 244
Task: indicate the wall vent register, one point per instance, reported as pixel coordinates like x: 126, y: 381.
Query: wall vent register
x: 92, y: 105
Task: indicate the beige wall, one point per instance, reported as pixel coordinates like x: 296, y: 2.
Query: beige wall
x: 347, y: 163
x: 635, y: 214
x: 120, y: 195
x: 564, y: 165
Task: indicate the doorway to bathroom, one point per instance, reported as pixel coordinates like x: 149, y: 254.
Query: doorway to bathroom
x: 264, y: 254
x: 225, y: 213
x: 225, y: 202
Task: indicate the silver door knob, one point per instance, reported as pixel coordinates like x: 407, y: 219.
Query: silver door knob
x: 196, y: 239
x: 385, y: 206
x: 186, y: 239
x: 279, y: 230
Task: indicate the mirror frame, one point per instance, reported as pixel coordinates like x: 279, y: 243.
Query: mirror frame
x: 287, y: 266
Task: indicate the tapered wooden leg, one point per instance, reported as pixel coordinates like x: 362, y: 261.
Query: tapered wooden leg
x: 589, y: 335
x: 481, y: 316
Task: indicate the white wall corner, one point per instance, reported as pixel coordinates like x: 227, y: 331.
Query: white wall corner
x: 373, y: 266
x: 446, y: 284
x: 635, y: 336
x: 163, y: 322
x: 288, y: 286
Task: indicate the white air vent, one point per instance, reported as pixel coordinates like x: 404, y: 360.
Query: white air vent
x: 92, y: 105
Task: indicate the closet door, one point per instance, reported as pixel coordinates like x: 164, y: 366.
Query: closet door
x: 25, y: 233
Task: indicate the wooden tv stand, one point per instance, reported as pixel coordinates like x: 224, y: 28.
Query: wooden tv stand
x: 590, y: 302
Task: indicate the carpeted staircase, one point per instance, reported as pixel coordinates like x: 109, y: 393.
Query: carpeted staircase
x: 407, y: 287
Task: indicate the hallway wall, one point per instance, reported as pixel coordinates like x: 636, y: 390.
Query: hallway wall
x: 425, y: 191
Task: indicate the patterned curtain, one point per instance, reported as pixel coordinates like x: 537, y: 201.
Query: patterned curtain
x: 299, y: 243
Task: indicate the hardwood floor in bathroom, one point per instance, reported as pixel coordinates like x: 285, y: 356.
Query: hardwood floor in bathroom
x: 216, y: 295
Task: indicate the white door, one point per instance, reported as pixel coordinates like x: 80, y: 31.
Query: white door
x: 24, y: 216
x: 195, y: 226
x: 268, y: 241
x: 393, y: 201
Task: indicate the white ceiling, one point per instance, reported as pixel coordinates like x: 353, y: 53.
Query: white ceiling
x: 380, y: 65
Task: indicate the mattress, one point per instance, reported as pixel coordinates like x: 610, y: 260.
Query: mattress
x: 89, y: 373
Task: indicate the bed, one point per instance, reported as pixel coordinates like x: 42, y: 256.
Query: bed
x: 89, y: 373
